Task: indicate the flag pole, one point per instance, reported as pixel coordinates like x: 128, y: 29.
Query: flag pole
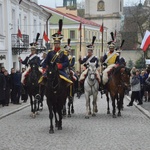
x: 102, y: 35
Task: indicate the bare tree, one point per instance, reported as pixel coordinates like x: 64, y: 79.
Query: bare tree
x: 136, y: 22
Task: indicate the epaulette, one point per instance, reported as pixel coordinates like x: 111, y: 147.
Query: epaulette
x: 50, y: 50
x: 65, y: 52
x: 73, y: 56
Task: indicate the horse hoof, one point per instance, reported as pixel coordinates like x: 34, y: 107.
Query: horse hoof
x: 59, y: 128
x: 93, y: 115
x: 72, y: 111
x: 69, y: 116
x: 51, y: 131
x: 89, y: 113
x: 37, y: 113
x: 119, y: 114
x: 108, y: 112
x: 86, y: 117
x: 114, y: 116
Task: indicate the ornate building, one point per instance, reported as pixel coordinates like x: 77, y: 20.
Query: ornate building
x: 107, y: 11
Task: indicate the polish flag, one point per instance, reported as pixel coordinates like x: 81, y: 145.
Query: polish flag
x: 101, y: 28
x: 45, y: 37
x: 19, y: 33
x: 145, y: 41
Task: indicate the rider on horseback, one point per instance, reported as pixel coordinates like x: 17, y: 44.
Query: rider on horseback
x: 109, y: 60
x: 89, y: 58
x: 31, y: 59
x: 57, y: 55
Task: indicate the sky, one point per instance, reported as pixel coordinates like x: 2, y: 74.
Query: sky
x: 54, y: 3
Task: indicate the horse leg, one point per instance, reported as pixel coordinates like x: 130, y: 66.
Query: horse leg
x: 94, y: 105
x: 72, y: 107
x: 60, y: 118
x: 32, y: 109
x: 69, y: 105
x: 88, y: 111
x: 108, y: 108
x: 114, y: 107
x: 51, y: 130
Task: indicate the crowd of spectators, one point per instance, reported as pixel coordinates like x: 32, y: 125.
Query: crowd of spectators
x: 11, y: 88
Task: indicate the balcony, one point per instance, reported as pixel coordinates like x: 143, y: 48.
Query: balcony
x: 19, y: 44
x: 22, y: 44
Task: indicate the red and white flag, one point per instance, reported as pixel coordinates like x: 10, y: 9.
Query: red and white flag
x: 45, y: 37
x: 146, y: 41
x: 19, y: 33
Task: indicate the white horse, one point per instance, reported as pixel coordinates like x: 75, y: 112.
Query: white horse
x: 91, y: 86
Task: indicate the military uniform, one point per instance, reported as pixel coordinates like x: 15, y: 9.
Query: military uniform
x: 31, y: 59
x: 89, y: 58
x: 62, y: 61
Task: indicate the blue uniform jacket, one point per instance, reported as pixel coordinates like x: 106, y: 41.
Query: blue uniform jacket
x: 62, y: 59
x: 35, y: 60
x: 92, y: 60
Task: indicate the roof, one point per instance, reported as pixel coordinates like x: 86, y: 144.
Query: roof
x: 73, y: 17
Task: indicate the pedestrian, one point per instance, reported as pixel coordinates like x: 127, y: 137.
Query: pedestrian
x: 135, y: 88
x: 12, y: 85
x: 7, y: 91
x: 17, y: 87
x: 2, y: 89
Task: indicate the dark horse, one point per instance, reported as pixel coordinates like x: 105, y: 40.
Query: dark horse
x: 118, y: 82
x: 33, y: 88
x: 56, y: 93
x: 70, y: 97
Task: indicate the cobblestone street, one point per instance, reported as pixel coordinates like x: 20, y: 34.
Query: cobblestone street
x: 131, y: 131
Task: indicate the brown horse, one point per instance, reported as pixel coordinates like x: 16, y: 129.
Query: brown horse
x: 118, y: 82
x: 56, y: 93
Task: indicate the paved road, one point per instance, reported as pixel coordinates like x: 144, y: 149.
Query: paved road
x: 130, y: 132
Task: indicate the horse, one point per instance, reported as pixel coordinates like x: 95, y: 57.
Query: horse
x: 56, y: 94
x: 118, y: 82
x: 33, y: 89
x: 70, y: 96
x: 91, y: 86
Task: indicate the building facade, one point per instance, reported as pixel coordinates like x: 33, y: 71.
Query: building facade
x: 79, y: 38
x: 107, y: 11
x: 30, y: 19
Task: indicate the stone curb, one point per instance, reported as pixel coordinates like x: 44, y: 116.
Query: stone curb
x: 144, y: 111
x: 14, y: 111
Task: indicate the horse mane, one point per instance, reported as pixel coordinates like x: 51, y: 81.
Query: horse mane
x: 117, y: 70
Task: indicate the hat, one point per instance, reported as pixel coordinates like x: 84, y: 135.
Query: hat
x: 68, y: 47
x: 91, y: 46
x: 34, y: 44
x: 58, y: 36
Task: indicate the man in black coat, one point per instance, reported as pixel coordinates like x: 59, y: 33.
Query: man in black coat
x: 2, y: 89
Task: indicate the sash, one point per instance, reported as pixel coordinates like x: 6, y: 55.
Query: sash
x: 89, y: 59
x: 109, y: 57
x: 31, y: 58
x: 56, y: 56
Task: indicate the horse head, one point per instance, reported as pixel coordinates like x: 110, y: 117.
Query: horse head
x: 92, y: 70
x: 52, y: 75
x: 125, y: 76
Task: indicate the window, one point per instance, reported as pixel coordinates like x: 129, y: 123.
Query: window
x: 35, y: 27
x: 72, y: 34
x: 13, y: 20
x: 101, y: 6
x: 25, y: 25
x: 1, y: 18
